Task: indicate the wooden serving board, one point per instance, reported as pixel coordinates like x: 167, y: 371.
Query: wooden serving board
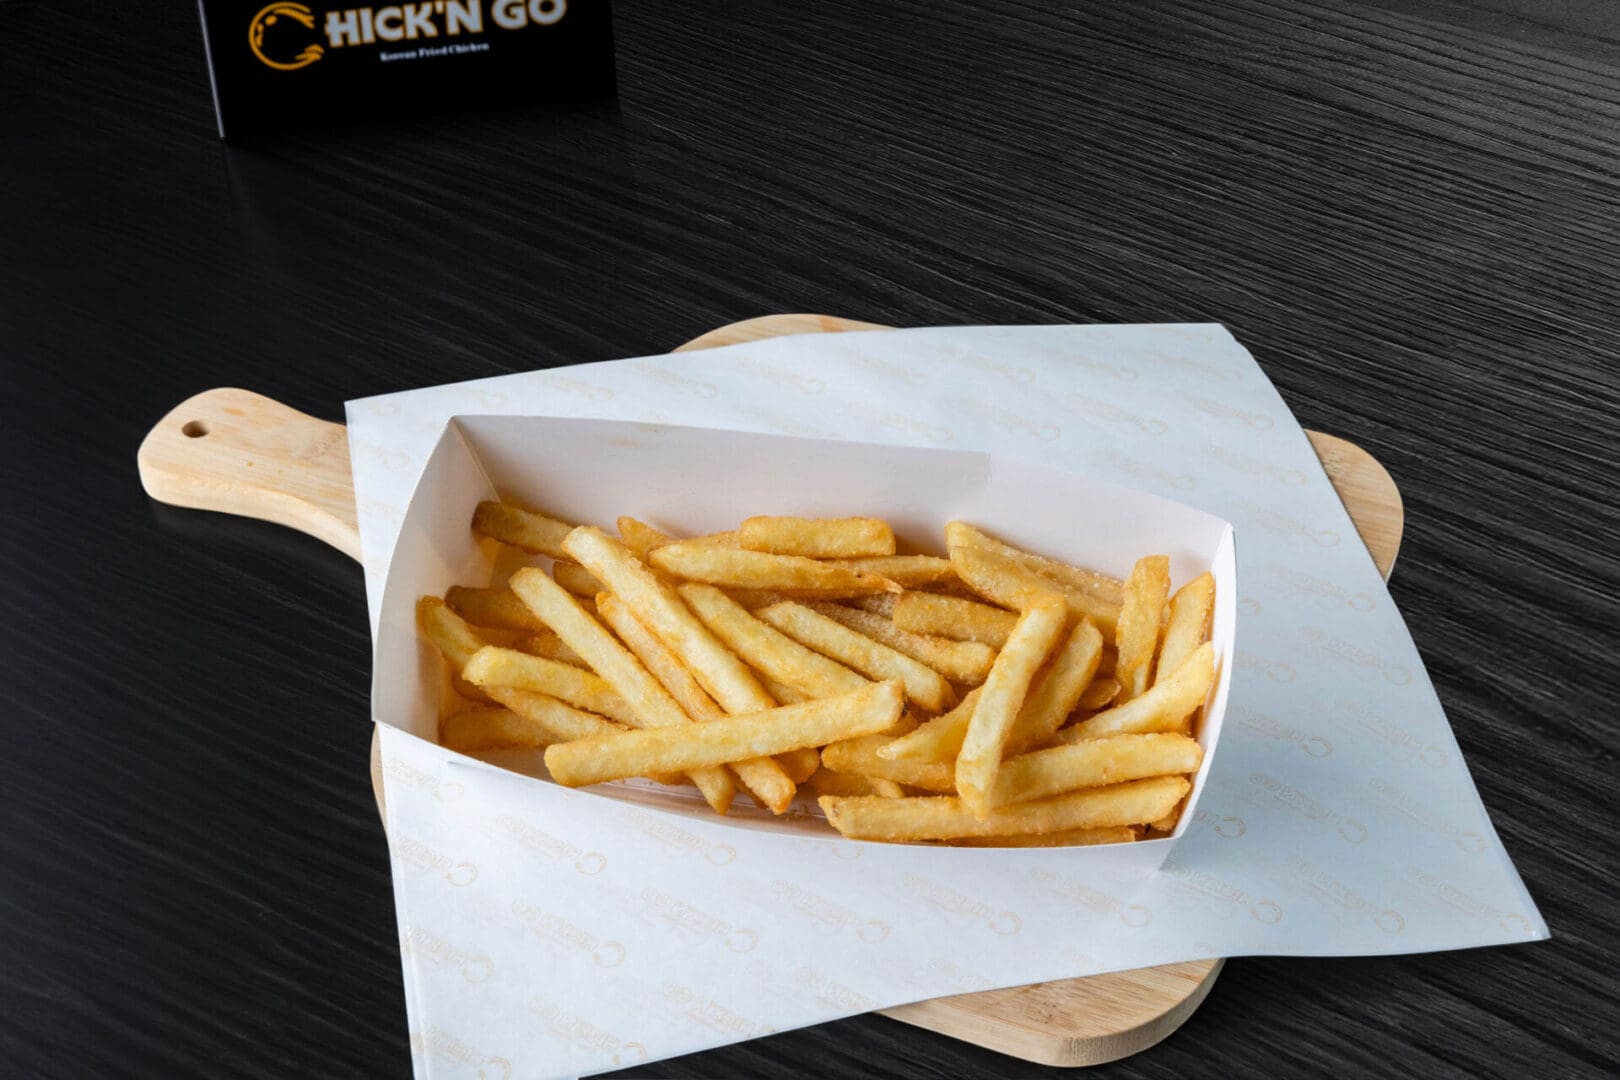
x: 242, y: 453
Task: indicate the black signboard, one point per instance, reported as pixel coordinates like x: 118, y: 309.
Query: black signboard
x: 286, y: 64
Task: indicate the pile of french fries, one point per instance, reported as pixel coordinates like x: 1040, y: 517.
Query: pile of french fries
x: 992, y: 698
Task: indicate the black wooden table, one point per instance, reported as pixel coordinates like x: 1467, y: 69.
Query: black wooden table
x: 1408, y: 211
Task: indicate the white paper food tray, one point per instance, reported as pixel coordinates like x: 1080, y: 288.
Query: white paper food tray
x: 697, y: 480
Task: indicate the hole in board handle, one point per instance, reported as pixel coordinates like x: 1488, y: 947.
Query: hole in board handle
x: 194, y: 429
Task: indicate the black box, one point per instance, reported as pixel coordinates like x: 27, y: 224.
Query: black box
x: 287, y: 64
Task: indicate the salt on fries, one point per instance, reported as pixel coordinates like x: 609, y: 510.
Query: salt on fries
x: 998, y: 697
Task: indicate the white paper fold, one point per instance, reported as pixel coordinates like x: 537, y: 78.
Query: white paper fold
x: 548, y: 932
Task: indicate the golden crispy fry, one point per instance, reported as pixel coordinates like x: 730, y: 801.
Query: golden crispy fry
x: 942, y: 817
x: 491, y: 729
x: 738, y: 568
x: 799, y: 764
x: 448, y: 632
x: 494, y: 667
x: 562, y: 721
x: 651, y: 704
x: 767, y: 650
x: 576, y: 579
x: 817, y: 538
x: 492, y: 607
x: 1137, y: 636
x: 641, y: 538
x: 1056, y: 690
x: 665, y: 666
x: 858, y: 757
x: 1163, y: 708
x: 1120, y: 834
x: 924, y: 685
x: 911, y: 571
x: 966, y: 662
x: 1004, y: 691
x: 717, y: 539
x: 784, y: 694
x: 725, y: 677
x: 1111, y: 589
x: 937, y: 740
x: 1012, y: 585
x: 1166, y: 824
x: 549, y: 645
x: 1095, y: 763
x: 1098, y: 695
x: 877, y: 603
x: 1188, y: 626
x: 827, y: 782
x: 531, y: 531
x: 953, y: 617
x: 765, y: 778
x: 736, y: 738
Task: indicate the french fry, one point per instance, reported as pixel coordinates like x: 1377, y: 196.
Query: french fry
x: 1105, y: 666
x: 924, y: 685
x: 493, y: 667
x: 492, y: 607
x: 765, y: 778
x: 910, y: 571
x: 965, y: 662
x: 641, y: 538
x: 1166, y: 824
x: 1094, y: 763
x: 877, y: 603
x: 942, y: 817
x: 1056, y: 689
x: 549, y: 645
x: 767, y: 650
x: 753, y: 599
x: 1136, y: 638
x: 1102, y: 586
x: 1099, y: 695
x: 651, y: 705
x: 1015, y: 586
x: 953, y: 617
x: 472, y: 730
x: 937, y: 740
x: 1004, y: 691
x: 721, y: 674
x: 800, y: 764
x: 448, y: 632
x: 1119, y: 834
x: 858, y: 757
x: 1163, y: 708
x: 735, y: 738
x: 576, y: 579
x: 784, y: 694
x: 533, y: 532
x: 1188, y: 625
x: 827, y: 782
x: 725, y: 677
x: 563, y: 721
x: 664, y: 665
x: 817, y: 538
x: 737, y: 568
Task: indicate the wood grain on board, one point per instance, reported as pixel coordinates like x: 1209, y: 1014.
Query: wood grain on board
x: 238, y: 452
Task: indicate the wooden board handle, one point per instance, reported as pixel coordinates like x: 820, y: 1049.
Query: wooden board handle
x: 242, y: 453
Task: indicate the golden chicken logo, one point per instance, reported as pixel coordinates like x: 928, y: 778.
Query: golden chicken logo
x: 275, y: 39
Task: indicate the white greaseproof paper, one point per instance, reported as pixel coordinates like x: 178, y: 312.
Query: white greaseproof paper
x: 552, y: 932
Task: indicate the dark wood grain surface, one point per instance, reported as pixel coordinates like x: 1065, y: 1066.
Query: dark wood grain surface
x: 1408, y: 210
